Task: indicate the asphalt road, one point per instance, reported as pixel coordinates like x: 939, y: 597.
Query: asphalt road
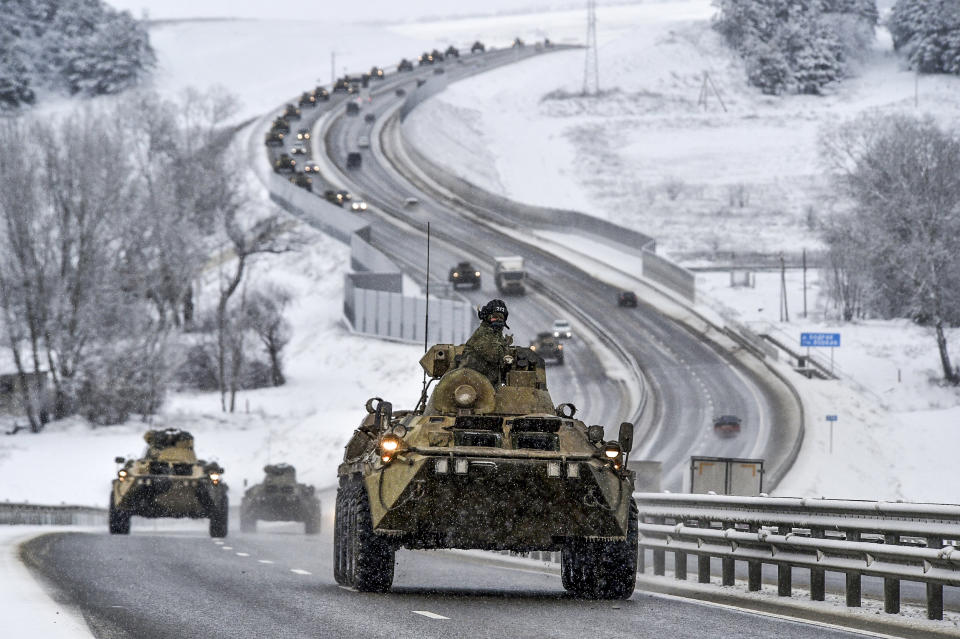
x: 182, y: 585
x: 690, y: 381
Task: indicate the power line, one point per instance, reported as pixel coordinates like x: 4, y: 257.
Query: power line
x: 591, y: 66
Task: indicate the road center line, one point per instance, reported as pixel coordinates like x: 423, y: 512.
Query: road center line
x: 427, y: 613
x: 243, y: 554
x: 226, y: 547
x: 300, y: 571
x: 219, y: 543
x: 264, y: 561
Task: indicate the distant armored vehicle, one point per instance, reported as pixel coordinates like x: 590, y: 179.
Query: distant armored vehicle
x: 509, y: 274
x: 280, y: 498
x: 321, y: 93
x: 404, y: 65
x: 518, y: 43
x: 377, y: 73
x: 168, y: 481
x: 285, y: 163
x: 342, y: 85
x: 548, y: 346
x: 478, y: 47
x: 425, y: 58
x: 464, y: 274
x: 281, y: 124
x: 274, y: 138
x: 290, y: 112
x: 452, y: 51
x: 308, y: 99
x: 302, y: 180
x: 489, y: 466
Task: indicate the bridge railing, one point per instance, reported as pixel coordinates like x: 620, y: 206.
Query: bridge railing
x: 43, y: 515
x: 891, y: 540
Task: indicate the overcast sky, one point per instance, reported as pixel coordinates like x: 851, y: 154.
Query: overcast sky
x: 342, y: 10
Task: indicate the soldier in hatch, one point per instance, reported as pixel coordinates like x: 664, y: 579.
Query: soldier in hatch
x: 485, y: 349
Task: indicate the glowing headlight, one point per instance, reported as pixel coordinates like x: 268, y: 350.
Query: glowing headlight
x: 456, y: 275
x: 122, y: 475
x: 556, y: 333
x: 477, y: 274
x: 611, y: 451
x: 389, y: 444
x: 215, y: 478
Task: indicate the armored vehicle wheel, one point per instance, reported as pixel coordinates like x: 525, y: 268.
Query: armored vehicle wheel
x: 119, y: 520
x: 599, y: 569
x: 218, y: 520
x: 311, y: 526
x: 248, y: 523
x: 369, y: 559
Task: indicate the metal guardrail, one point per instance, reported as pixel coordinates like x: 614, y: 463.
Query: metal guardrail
x: 894, y: 541
x: 40, y: 515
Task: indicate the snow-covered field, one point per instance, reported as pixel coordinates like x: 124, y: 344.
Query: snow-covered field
x: 621, y: 158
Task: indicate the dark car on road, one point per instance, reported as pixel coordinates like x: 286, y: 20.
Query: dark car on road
x: 308, y: 99
x: 400, y: 92
x: 478, y: 47
x: 627, y: 298
x: 303, y: 134
x: 464, y: 274
x: 302, y: 180
x: 727, y: 425
x: 452, y: 51
x: 369, y: 117
x: 354, y: 160
x: 353, y: 108
x: 548, y: 347
x: 290, y: 112
x: 285, y: 163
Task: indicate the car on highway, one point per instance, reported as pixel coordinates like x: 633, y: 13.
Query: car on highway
x: 404, y: 65
x: 411, y: 201
x: 354, y: 160
x: 627, y: 298
x: 290, y: 112
x: 358, y: 205
x: 478, y: 47
x: 285, y: 163
x: 439, y: 71
x: 400, y: 92
x: 303, y: 134
x: 333, y: 197
x: 548, y: 346
x: 369, y: 117
x: 363, y: 142
x: 302, y: 180
x: 376, y: 73
x: 464, y: 274
x: 353, y: 108
x: 561, y: 328
x: 298, y: 148
x: 311, y: 167
x: 727, y: 425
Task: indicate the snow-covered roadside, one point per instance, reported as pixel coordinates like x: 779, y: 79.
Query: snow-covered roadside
x: 28, y: 611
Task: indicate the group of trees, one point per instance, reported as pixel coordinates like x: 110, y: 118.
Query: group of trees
x: 74, y: 46
x: 797, y: 45
x: 108, y: 218
x: 894, y: 252
x: 928, y: 33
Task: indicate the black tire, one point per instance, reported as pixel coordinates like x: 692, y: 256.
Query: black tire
x: 119, y: 520
x: 218, y: 519
x: 339, y: 536
x: 370, y: 558
x: 602, y: 570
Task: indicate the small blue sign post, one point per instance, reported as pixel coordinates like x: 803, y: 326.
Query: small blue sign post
x: 832, y: 419
x: 821, y: 340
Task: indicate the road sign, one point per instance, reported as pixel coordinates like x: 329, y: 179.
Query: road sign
x: 831, y: 418
x: 825, y: 340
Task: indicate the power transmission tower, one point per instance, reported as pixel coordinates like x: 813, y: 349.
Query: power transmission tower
x: 591, y: 70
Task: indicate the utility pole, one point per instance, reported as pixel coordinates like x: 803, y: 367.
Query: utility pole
x: 591, y: 65
x: 333, y: 66
x: 784, y: 311
x: 804, y: 283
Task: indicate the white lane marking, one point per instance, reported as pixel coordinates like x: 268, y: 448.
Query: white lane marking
x: 347, y: 588
x: 226, y: 547
x: 264, y: 561
x: 300, y: 571
x: 243, y: 554
x: 219, y: 543
x: 763, y: 613
x: 427, y: 613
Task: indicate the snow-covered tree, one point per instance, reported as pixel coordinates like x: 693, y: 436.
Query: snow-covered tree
x: 928, y: 33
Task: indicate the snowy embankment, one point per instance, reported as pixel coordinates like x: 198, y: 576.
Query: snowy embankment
x: 706, y: 180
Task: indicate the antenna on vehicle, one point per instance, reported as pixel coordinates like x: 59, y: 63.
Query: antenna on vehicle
x: 426, y: 324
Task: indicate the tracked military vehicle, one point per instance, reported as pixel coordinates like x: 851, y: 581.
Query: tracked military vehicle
x: 488, y: 466
x: 280, y: 498
x: 168, y: 481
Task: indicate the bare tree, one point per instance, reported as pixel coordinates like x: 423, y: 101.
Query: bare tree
x: 902, y: 175
x: 265, y: 317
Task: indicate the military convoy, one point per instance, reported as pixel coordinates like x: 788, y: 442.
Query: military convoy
x: 548, y: 346
x: 464, y: 274
x: 488, y: 466
x: 168, y: 481
x: 280, y: 498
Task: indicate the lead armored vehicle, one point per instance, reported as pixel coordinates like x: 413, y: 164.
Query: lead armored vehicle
x: 280, y: 498
x: 168, y: 481
x: 488, y: 466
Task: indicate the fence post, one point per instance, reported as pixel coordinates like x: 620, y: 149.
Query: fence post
x: 934, y: 591
x: 854, y: 590
x: 727, y: 574
x: 818, y: 579
x: 680, y: 565
x: 784, y: 572
x: 659, y: 556
x: 891, y: 585
x: 754, y: 568
x: 703, y: 561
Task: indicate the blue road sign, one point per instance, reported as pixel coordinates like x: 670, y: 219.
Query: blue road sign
x: 820, y: 339
x: 831, y: 418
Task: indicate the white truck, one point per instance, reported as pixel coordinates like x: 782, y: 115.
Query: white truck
x: 509, y: 275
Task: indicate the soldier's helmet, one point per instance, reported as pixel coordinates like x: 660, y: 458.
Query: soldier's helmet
x: 488, y: 313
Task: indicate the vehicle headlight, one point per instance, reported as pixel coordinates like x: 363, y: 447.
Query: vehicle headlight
x: 533, y: 348
x: 215, y: 478
x: 611, y: 451
x: 556, y: 333
x: 477, y: 274
x: 389, y: 445
x: 456, y: 275
x: 122, y: 475
x: 363, y: 206
x: 559, y: 347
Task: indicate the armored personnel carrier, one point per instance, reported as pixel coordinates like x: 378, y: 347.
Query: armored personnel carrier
x: 548, y: 346
x: 168, y: 481
x: 280, y: 498
x: 285, y: 163
x: 488, y: 466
